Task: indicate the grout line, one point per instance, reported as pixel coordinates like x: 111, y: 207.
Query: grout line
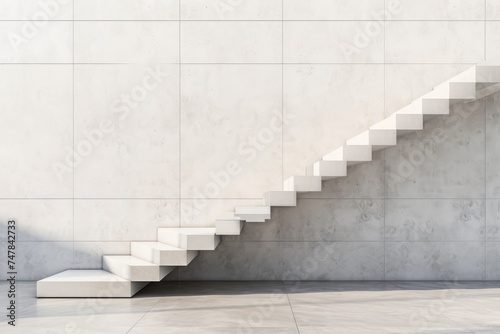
x: 180, y: 121
x: 129, y: 198
x: 282, y: 95
x: 249, y: 199
x: 485, y: 30
x: 179, y: 194
x: 261, y: 63
x: 291, y: 307
x: 460, y: 325
x: 254, y: 20
x: 485, y: 185
x: 146, y: 313
x: 280, y: 249
x: 276, y: 241
x: 396, y: 198
x: 73, y: 67
x: 384, y: 155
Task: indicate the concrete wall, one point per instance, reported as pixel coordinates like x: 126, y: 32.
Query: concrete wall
x: 427, y: 209
x: 159, y: 98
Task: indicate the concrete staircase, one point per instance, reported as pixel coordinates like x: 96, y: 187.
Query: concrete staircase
x: 125, y: 275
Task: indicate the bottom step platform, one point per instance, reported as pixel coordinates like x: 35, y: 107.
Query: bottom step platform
x: 87, y: 283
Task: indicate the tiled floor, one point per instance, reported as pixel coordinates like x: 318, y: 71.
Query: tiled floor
x: 269, y: 307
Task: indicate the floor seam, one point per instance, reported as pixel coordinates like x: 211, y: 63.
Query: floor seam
x: 291, y: 308
x: 147, y: 312
x: 458, y: 324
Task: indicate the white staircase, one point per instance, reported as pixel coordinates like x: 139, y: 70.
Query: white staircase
x: 125, y: 275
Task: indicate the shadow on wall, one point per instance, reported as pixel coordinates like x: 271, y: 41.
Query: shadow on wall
x: 33, y: 259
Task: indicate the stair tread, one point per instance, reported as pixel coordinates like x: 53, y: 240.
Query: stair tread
x: 159, y: 246
x: 254, y: 208
x: 191, y: 230
x: 279, y: 192
x: 85, y: 276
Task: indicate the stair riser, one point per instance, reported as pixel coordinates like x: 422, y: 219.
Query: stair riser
x: 330, y: 169
x: 351, y: 154
x: 254, y: 214
x: 487, y: 74
x: 288, y: 198
x: 435, y: 107
x: 409, y: 122
x: 382, y: 139
x: 198, y: 242
x: 452, y: 92
x: 303, y: 184
x: 228, y: 227
x: 166, y: 259
x: 136, y: 273
x: 462, y: 91
x: 189, y: 242
x: 376, y: 138
x: 162, y: 257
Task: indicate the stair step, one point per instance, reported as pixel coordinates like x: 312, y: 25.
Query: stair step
x: 280, y: 198
x: 487, y: 79
x: 454, y: 92
x: 352, y: 154
x: 135, y: 269
x: 484, y: 73
x: 253, y: 214
x: 401, y: 122
x: 426, y: 107
x: 229, y: 226
x: 328, y: 170
x: 377, y: 139
x: 484, y: 76
x: 303, y: 183
x: 87, y: 283
x: 195, y: 238
x: 162, y: 254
